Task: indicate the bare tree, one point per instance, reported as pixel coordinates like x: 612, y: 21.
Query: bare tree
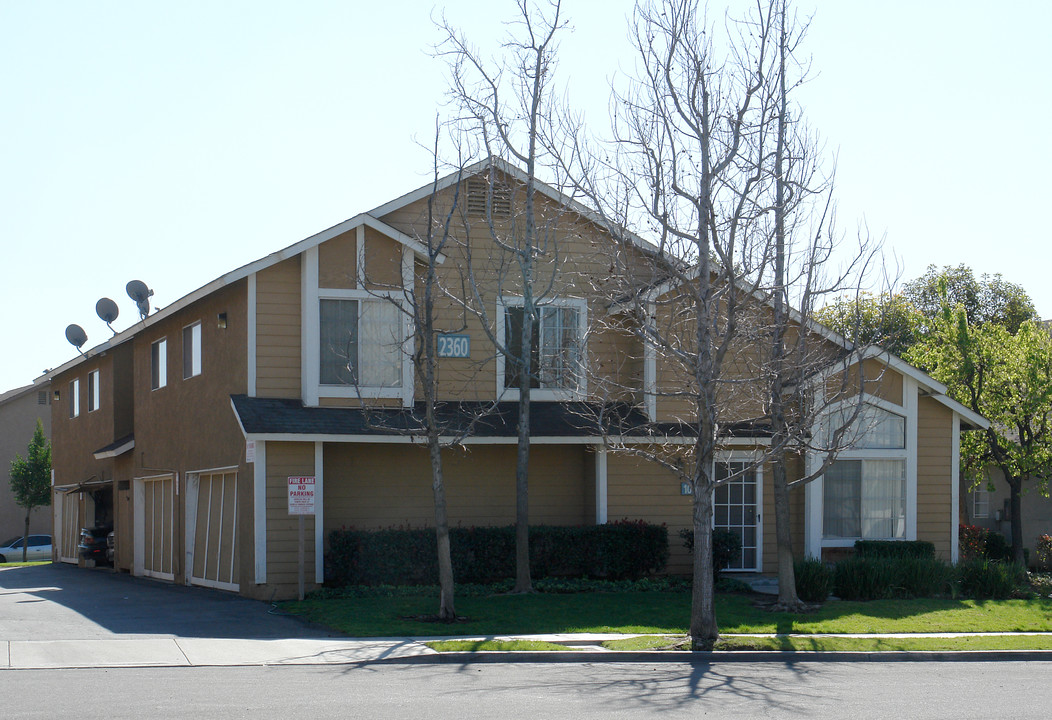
x: 505, y: 108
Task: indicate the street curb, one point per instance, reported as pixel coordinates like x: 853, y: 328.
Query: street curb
x: 717, y: 656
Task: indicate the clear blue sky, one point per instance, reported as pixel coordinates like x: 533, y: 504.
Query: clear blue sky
x: 173, y: 142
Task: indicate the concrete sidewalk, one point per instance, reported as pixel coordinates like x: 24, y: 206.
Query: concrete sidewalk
x: 218, y: 652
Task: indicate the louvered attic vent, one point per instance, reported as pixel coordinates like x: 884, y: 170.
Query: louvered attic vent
x: 477, y: 191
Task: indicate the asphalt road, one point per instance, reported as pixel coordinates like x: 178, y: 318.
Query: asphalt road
x: 610, y: 691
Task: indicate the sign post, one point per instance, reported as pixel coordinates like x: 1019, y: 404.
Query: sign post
x: 301, y: 504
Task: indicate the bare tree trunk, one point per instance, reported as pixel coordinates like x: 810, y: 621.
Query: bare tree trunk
x: 703, y: 629
x: 446, y: 610
x: 787, y: 597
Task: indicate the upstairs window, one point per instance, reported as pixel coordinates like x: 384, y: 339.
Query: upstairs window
x: 74, y: 398
x: 361, y: 343
x: 555, y: 346
x: 191, y: 350
x: 93, y: 390
x: 980, y: 502
x: 159, y: 364
x: 873, y: 429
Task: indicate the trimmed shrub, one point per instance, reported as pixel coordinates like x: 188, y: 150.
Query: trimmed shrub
x: 921, y: 577
x: 998, y: 547
x: 814, y: 580
x: 972, y: 540
x: 726, y: 547
x: 864, y: 578
x: 979, y: 542
x: 1044, y: 552
x: 894, y: 549
x: 982, y: 578
x: 407, y: 556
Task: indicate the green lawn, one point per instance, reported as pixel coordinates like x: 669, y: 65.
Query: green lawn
x: 842, y: 644
x: 664, y: 613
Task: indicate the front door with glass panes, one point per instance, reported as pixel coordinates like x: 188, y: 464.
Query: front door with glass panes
x: 736, y: 507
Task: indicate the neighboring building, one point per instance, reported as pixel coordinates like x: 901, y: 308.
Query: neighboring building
x: 989, y: 505
x: 183, y: 431
x: 19, y: 411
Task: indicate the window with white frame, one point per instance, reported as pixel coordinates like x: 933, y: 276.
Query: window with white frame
x: 864, y: 491
x: 74, y: 398
x: 159, y: 364
x: 980, y: 501
x: 556, y: 346
x: 192, y: 350
x: 93, y: 390
x: 360, y: 342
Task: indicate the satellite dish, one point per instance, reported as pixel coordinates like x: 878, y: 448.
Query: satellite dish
x: 108, y: 311
x: 141, y: 294
x: 76, y: 336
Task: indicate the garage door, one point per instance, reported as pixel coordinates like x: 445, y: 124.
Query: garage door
x: 214, y: 551
x: 155, y: 512
x: 68, y: 531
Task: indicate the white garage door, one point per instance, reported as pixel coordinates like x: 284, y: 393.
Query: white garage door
x: 213, y: 553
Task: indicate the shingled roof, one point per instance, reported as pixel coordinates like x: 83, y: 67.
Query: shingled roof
x: 286, y: 416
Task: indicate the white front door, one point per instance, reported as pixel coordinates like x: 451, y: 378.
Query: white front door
x: 736, y: 504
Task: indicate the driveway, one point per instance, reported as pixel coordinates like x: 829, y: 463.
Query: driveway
x: 62, y: 602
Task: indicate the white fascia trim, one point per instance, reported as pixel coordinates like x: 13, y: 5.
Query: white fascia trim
x: 251, y: 349
x: 601, y: 494
x: 910, y: 394
x: 319, y: 512
x: 408, y: 334
x: 650, y: 370
x: 955, y: 489
x: 310, y: 321
x: 507, y: 168
x: 472, y: 440
x: 259, y: 512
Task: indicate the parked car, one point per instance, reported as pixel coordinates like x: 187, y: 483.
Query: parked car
x: 93, y: 544
x: 39, y: 549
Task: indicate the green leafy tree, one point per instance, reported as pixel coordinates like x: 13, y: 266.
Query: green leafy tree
x: 890, y: 321
x: 988, y: 299
x: 31, y: 478
x: 1007, y: 378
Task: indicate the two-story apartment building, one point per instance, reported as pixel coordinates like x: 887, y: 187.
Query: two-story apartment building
x: 183, y: 431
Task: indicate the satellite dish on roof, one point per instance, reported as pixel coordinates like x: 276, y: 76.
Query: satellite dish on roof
x: 76, y: 336
x: 141, y: 294
x: 107, y: 311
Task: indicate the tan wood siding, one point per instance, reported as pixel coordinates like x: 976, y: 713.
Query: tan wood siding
x: 278, y: 330
x: 284, y: 460
x: 934, y: 481
x: 338, y: 262
x: 383, y: 261
x: 379, y: 486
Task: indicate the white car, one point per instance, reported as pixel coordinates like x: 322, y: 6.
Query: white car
x: 39, y: 549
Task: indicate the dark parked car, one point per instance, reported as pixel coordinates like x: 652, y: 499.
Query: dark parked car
x: 93, y: 544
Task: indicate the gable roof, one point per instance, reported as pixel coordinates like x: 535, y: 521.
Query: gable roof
x: 362, y: 219
x: 518, y: 175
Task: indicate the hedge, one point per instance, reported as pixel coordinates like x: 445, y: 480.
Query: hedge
x: 919, y: 549
x: 624, y: 550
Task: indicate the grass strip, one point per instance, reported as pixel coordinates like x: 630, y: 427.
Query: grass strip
x: 664, y: 613
x: 842, y: 644
x: 498, y: 645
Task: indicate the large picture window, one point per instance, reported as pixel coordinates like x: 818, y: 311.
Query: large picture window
x: 361, y: 343
x: 865, y: 499
x: 555, y: 347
